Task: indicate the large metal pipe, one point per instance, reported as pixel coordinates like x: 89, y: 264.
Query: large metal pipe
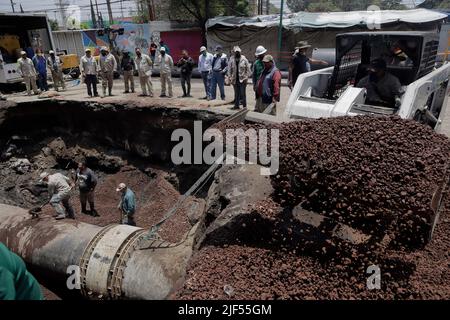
x: 110, y: 261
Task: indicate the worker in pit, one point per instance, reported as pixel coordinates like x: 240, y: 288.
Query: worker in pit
x: 383, y: 88
x: 87, y: 182
x: 127, y: 205
x: 108, y: 65
x: 59, y: 188
x: 16, y: 283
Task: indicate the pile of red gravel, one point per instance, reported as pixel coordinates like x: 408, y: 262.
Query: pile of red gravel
x: 376, y: 174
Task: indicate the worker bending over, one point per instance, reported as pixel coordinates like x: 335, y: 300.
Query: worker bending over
x: 127, y: 205
x: 383, y: 88
x: 59, y: 188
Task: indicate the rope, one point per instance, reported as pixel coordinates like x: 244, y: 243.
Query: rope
x: 196, y: 187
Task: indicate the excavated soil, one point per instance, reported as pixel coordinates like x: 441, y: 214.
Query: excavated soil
x: 378, y: 175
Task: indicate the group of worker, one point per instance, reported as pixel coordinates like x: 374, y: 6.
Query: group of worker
x: 35, y: 71
x: 60, y: 188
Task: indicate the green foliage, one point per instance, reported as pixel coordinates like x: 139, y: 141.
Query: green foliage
x: 435, y: 4
x: 53, y: 24
x: 322, y: 6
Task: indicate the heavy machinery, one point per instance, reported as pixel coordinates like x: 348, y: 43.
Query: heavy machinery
x: 332, y: 92
x: 21, y: 32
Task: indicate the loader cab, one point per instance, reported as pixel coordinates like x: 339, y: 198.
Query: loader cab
x: 408, y: 55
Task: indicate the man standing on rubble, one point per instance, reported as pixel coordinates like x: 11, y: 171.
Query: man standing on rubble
x: 87, y: 181
x: 108, y: 65
x: 269, y: 85
x: 28, y: 72
x: 89, y: 68
x: 127, y: 205
x: 59, y: 188
x: 144, y: 66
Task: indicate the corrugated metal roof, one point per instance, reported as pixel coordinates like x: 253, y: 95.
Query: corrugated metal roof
x: 331, y: 19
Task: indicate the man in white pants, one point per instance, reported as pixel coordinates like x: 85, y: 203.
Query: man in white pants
x: 144, y: 66
x: 28, y: 72
x: 165, y: 72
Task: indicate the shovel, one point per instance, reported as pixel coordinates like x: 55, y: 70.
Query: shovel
x: 36, y: 210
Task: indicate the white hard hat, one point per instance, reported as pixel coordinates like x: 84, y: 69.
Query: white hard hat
x: 22, y: 53
x: 121, y: 187
x: 237, y: 49
x: 104, y: 49
x: 260, y: 50
x: 162, y: 49
x: 202, y: 48
x: 51, y: 51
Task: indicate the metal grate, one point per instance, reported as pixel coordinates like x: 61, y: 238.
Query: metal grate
x: 345, y: 71
x: 428, y: 58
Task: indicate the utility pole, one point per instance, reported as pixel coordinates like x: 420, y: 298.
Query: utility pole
x: 12, y: 6
x: 267, y: 6
x: 280, y: 32
x: 108, y: 4
x: 151, y: 13
x: 93, y: 18
x: 61, y: 6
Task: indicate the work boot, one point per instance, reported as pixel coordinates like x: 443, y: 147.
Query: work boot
x: 110, y: 92
x: 60, y: 216
x: 83, y: 210
x: 94, y: 213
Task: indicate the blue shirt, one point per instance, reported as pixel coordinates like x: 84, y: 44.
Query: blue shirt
x: 40, y: 64
x: 128, y: 202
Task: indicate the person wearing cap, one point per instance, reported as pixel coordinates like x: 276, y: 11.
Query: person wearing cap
x: 127, y: 67
x: 300, y: 63
x: 108, y: 65
x: 383, y: 88
x: 59, y: 188
x: 205, y: 67
x: 40, y: 65
x: 269, y: 85
x: 55, y: 65
x: 186, y: 65
x: 165, y: 62
x: 89, y: 69
x: 87, y: 181
x: 162, y: 44
x: 219, y: 70
x: 239, y: 71
x: 144, y: 66
x: 28, y: 72
x: 127, y: 204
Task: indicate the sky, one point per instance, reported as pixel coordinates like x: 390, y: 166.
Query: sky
x: 118, y: 6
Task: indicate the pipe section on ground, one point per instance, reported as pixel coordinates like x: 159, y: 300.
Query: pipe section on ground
x: 111, y: 263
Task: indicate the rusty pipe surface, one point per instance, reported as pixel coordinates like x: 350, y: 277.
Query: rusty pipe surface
x: 110, y: 260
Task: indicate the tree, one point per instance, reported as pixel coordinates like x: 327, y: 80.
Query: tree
x: 392, y: 5
x: 323, y: 6
x: 435, y: 4
x: 195, y: 10
x: 297, y: 5
x: 53, y: 24
x: 236, y: 7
